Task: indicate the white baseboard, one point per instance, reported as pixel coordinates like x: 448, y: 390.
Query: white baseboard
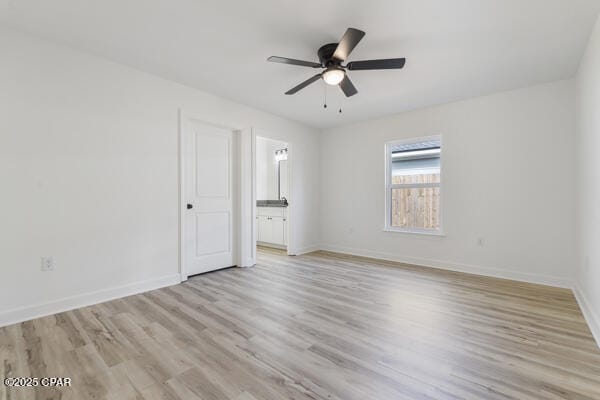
x: 592, y: 319
x: 248, y: 262
x: 272, y: 245
x: 457, y: 267
x: 308, y: 249
x: 21, y: 314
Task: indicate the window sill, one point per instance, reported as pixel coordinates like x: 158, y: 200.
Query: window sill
x: 415, y: 232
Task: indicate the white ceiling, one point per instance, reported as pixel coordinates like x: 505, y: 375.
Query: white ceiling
x: 455, y: 49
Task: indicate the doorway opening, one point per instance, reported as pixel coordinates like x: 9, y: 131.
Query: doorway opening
x: 272, y: 193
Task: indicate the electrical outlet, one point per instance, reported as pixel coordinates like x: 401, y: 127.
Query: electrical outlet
x: 47, y: 264
x: 481, y: 242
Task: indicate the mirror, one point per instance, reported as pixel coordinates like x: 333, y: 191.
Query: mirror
x: 271, y: 169
x: 283, y: 180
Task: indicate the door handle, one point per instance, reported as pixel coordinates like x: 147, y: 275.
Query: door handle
x: 189, y: 206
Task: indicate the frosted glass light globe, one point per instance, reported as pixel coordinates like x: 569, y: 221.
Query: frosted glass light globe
x: 333, y: 76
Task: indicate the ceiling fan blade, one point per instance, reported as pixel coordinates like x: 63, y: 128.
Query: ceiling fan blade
x: 292, y: 61
x: 389, y: 63
x: 304, y: 84
x: 347, y: 87
x: 348, y: 43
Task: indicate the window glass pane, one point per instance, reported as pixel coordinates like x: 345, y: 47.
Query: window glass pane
x: 416, y: 208
x: 421, y: 145
x: 405, y: 167
x: 416, y: 162
x: 419, y: 178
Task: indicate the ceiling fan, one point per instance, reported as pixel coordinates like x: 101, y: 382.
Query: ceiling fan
x: 331, y: 57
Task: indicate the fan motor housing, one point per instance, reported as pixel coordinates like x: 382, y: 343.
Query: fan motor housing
x: 326, y: 55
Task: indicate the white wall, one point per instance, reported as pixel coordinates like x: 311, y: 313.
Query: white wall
x: 89, y: 175
x: 267, y: 174
x: 508, y: 168
x: 588, y: 174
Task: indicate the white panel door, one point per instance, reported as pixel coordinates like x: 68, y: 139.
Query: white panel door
x: 209, y: 187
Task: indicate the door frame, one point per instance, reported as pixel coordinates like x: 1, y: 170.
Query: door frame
x: 242, y: 223
x: 291, y: 248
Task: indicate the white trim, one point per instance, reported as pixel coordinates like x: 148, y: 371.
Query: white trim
x: 247, y: 199
x: 253, y: 224
x: 457, y: 267
x: 290, y: 216
x: 27, y: 313
x: 271, y: 245
x: 183, y: 119
x: 592, y: 319
x: 236, y: 205
x: 387, y: 224
x: 308, y: 249
x: 426, y: 232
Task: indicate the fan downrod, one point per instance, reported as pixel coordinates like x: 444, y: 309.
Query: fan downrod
x: 325, y: 54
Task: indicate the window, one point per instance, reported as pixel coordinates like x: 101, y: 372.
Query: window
x: 413, y: 185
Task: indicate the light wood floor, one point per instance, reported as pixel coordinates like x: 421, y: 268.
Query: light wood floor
x: 319, y: 326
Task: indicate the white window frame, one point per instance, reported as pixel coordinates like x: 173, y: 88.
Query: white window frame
x: 389, y: 186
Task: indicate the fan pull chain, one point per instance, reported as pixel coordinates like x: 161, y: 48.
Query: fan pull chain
x: 325, y: 95
x: 340, y: 108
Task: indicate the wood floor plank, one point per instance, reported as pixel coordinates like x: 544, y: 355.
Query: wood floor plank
x: 317, y: 326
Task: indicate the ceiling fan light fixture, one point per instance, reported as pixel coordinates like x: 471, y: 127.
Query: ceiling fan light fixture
x: 331, y: 56
x: 333, y: 76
